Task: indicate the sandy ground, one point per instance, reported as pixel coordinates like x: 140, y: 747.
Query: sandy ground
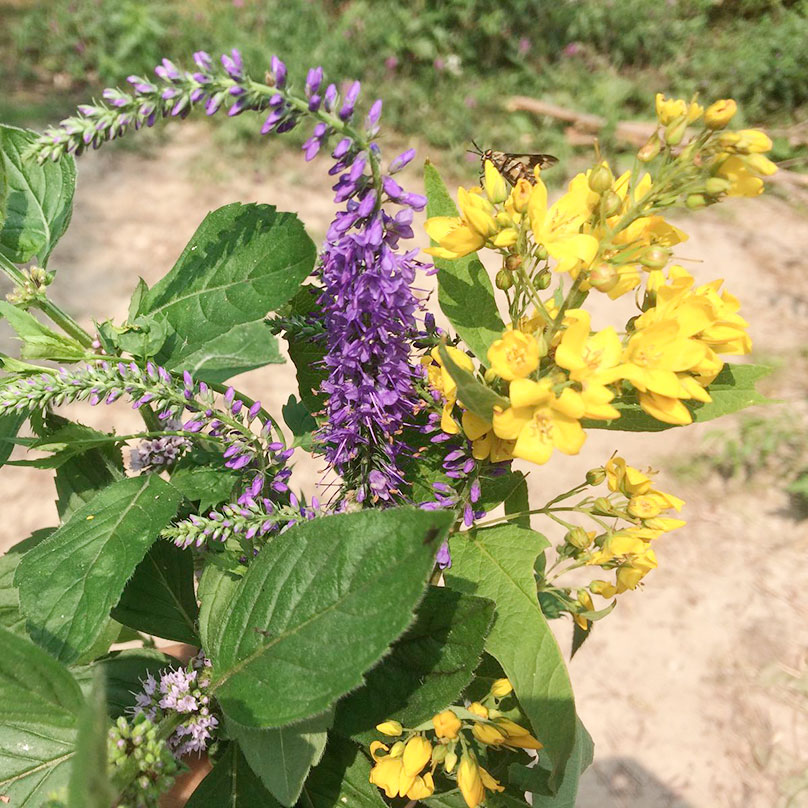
x: 695, y: 689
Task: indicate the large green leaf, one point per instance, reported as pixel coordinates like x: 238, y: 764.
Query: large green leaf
x: 209, y: 485
x: 37, y: 200
x: 497, y: 563
x: 39, y: 707
x: 217, y: 586
x: 535, y: 778
x: 159, y: 598
x: 465, y: 293
x: 732, y: 390
x: 318, y: 607
x: 306, y: 352
x: 509, y: 490
x: 89, y: 785
x: 283, y: 757
x: 341, y: 779
x: 427, y: 668
x: 242, y: 262
x: 231, y: 784
x: 124, y: 672
x: 11, y: 618
x: 69, y: 582
x: 476, y: 396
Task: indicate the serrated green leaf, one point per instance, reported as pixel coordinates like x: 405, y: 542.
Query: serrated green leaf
x: 207, y: 485
x: 318, y: 607
x: 159, y: 598
x: 476, y: 397
x: 11, y: 617
x: 497, y: 563
x: 535, y: 779
x: 509, y: 490
x: 427, y: 668
x: 465, y: 292
x: 124, y: 672
x: 282, y: 758
x: 38, y: 199
x: 340, y: 779
x: 307, y: 353
x: 69, y: 582
x: 39, y: 341
x: 9, y: 427
x: 732, y: 390
x: 135, y: 301
x: 39, y: 707
x: 89, y: 785
x: 233, y: 784
x: 242, y: 262
x: 300, y: 421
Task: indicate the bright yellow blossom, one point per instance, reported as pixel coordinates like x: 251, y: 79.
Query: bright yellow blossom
x: 558, y: 228
x: 475, y: 708
x: 416, y: 755
x: 423, y: 787
x: 470, y: 782
x: 515, y: 356
x: 540, y: 422
x: 746, y: 141
x: 625, y: 478
x: 446, y: 724
x: 669, y: 109
x: 441, y: 380
x: 720, y: 113
x: 494, y: 184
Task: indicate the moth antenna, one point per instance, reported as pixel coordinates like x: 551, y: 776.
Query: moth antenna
x: 476, y: 150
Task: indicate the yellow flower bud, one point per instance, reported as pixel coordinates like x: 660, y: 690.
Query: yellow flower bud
x: 391, y: 728
x: 604, y: 277
x: 720, y: 113
x: 475, y: 708
x: 650, y: 149
x: 760, y: 164
x: 655, y: 257
x: 488, y: 734
x: 517, y: 736
x: 501, y: 688
x: 600, y: 179
x: 494, y: 183
x: 506, y: 238
x: 746, y: 141
x: 603, y: 507
x: 520, y: 195
x: 450, y: 762
x: 602, y: 588
x: 669, y: 109
x: 416, y: 755
x: 397, y: 749
x: 446, y: 724
x: 470, y: 782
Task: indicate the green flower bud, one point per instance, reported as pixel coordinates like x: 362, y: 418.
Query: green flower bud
x: 595, y: 476
x: 611, y: 204
x: 650, y: 150
x: 503, y: 280
x: 578, y: 537
x: 696, y: 202
x: 604, y: 277
x: 601, y: 179
x: 513, y: 262
x: 543, y: 279
x: 603, y: 507
x: 716, y: 185
x: 541, y: 253
x: 675, y: 131
x: 655, y: 257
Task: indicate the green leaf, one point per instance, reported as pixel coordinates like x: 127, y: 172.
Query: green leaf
x: 217, y: 587
x: 497, y: 563
x: 70, y: 582
x: 123, y: 673
x: 231, y: 784
x: 207, y: 485
x: 159, y: 598
x: 11, y: 617
x: 475, y: 396
x: 465, y: 293
x: 89, y: 785
x: 39, y: 707
x: 318, y: 607
x: 282, y: 758
x: 341, y: 779
x: 307, y: 353
x: 9, y: 427
x: 511, y: 490
x: 300, y: 421
x: 732, y: 390
x: 38, y: 199
x: 39, y: 341
x: 242, y: 262
x: 427, y: 668
x: 535, y: 779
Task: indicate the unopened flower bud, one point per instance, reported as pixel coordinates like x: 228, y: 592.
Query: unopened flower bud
x: 695, y: 202
x: 541, y: 252
x: 391, y: 728
x: 450, y: 761
x: 720, y: 113
x: 397, y: 749
x: 579, y: 538
x: 501, y: 688
x: 513, y: 262
x: 595, y: 476
x: 521, y: 195
x: 603, y: 507
x: 503, y: 279
x: 675, y: 131
x: 494, y: 183
x: 490, y: 376
x: 717, y: 185
x: 611, y: 204
x: 439, y: 753
x: 541, y: 342
x: 601, y: 179
x: 655, y: 257
x: 604, y: 277
x: 650, y: 149
x: 543, y: 279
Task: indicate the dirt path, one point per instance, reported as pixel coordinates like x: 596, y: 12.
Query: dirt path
x: 688, y: 686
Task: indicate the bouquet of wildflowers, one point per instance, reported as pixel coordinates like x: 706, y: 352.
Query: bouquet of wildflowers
x: 386, y: 640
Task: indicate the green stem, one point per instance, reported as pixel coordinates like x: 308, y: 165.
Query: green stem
x: 55, y: 313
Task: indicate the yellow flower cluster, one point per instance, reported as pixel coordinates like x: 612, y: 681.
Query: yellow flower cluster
x: 628, y: 550
x: 400, y: 769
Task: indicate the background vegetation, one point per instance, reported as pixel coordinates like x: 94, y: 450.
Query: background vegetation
x: 601, y: 56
